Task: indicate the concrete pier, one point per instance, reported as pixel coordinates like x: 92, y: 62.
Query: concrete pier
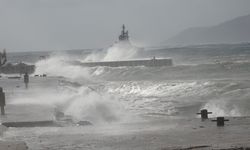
x: 148, y: 63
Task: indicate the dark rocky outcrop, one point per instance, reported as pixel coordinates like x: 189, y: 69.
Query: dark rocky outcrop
x: 17, y: 68
x: 31, y: 124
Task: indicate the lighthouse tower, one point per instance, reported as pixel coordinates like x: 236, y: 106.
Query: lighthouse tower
x: 124, y: 34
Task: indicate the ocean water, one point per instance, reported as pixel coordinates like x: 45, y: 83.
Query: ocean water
x: 214, y: 77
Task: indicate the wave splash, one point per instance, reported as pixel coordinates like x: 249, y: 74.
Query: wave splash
x: 184, y: 98
x: 58, y: 65
x: 234, y: 102
x: 118, y: 51
x: 81, y: 103
x: 147, y: 90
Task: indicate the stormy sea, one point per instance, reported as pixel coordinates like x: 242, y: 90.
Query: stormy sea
x: 126, y: 106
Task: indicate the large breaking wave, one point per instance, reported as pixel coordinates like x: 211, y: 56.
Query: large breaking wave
x: 118, y: 51
x: 180, y: 90
x: 185, y: 98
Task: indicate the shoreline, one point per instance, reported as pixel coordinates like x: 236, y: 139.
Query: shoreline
x: 157, y: 134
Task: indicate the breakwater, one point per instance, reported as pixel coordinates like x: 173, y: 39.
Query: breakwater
x: 148, y: 63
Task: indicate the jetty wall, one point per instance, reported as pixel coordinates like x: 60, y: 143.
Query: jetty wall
x: 147, y: 63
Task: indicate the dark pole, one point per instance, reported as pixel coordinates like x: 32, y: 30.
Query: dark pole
x: 2, y: 101
x: 3, y: 58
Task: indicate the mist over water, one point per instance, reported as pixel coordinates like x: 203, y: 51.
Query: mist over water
x: 74, y: 95
x: 234, y: 102
x: 81, y: 102
x: 118, y: 51
x: 60, y: 66
x: 106, y: 94
x: 123, y: 102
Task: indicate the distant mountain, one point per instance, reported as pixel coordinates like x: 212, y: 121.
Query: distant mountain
x: 233, y: 31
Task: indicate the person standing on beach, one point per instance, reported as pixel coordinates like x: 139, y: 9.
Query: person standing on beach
x: 26, y: 80
x: 2, y: 101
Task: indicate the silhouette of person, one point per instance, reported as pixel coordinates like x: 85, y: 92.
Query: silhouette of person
x: 2, y: 101
x: 26, y: 80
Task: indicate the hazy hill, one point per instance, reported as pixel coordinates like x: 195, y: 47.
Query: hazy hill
x: 232, y: 31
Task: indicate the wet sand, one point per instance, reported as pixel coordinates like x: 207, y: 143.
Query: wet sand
x: 152, y: 134
x: 13, y: 145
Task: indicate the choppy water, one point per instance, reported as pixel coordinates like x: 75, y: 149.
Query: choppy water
x: 218, y: 79
x: 215, y: 78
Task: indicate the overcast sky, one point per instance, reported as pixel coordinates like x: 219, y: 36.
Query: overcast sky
x: 79, y: 24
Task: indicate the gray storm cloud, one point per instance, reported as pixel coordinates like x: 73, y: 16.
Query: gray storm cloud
x: 73, y: 24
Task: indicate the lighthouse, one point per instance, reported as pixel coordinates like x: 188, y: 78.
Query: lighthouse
x: 124, y: 34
